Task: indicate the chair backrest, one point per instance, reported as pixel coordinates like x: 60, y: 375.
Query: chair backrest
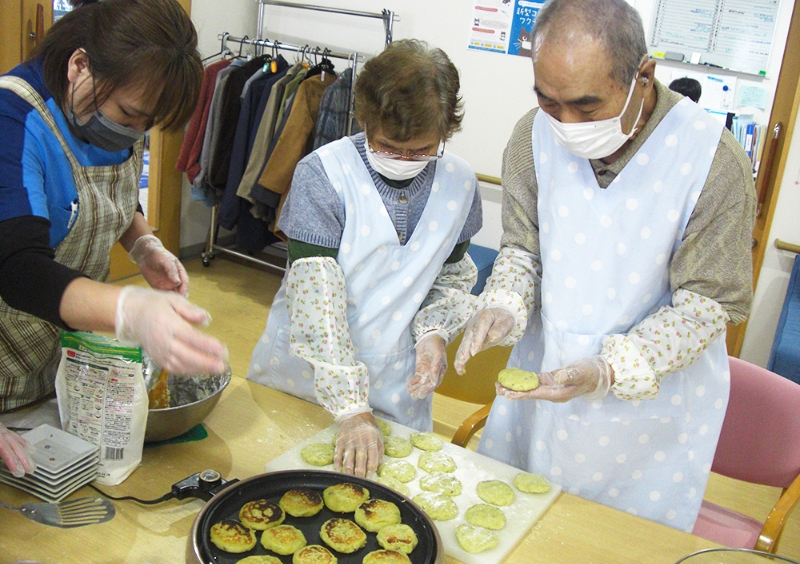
x: 477, y: 383
x: 760, y: 438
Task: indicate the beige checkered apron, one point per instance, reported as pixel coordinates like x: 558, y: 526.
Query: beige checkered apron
x: 29, y: 347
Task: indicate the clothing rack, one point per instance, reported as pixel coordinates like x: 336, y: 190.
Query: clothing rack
x: 784, y: 246
x: 387, y: 16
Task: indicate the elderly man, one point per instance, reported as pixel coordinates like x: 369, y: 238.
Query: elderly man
x: 627, y: 214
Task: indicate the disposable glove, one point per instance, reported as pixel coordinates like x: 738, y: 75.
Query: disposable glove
x: 431, y: 366
x: 161, y: 269
x: 162, y: 324
x: 484, y: 330
x: 589, y: 377
x: 359, y: 445
x: 14, y: 452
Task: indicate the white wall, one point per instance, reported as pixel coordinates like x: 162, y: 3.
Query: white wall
x: 497, y: 89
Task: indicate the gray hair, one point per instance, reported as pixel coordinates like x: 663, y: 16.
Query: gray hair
x: 615, y: 23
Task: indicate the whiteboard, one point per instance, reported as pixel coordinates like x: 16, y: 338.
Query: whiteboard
x: 731, y: 34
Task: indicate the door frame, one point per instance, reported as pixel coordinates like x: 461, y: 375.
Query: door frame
x: 785, y: 107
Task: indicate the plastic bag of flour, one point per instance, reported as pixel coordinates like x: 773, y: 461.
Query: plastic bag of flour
x: 102, y: 399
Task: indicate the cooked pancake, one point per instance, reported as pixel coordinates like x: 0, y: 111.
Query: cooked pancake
x: 426, y: 441
x: 518, y: 380
x: 301, y: 502
x: 386, y: 557
x: 398, y: 469
x: 345, y: 497
x: 442, y: 482
x: 475, y: 539
x: 318, y: 454
x: 375, y: 514
x: 397, y: 447
x: 314, y: 554
x: 259, y: 559
x: 232, y: 536
x: 438, y: 506
x: 400, y: 538
x: 436, y: 462
x: 283, y: 539
x: 531, y: 483
x: 384, y: 427
x: 495, y: 492
x: 486, y: 516
x: 394, y: 483
x: 342, y: 535
x: 261, y: 514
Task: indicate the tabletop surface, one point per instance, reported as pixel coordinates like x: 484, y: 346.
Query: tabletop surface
x: 253, y: 424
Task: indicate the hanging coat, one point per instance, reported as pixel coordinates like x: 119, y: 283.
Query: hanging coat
x: 606, y: 257
x: 386, y: 284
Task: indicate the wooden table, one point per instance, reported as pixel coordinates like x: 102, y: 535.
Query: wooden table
x: 253, y: 424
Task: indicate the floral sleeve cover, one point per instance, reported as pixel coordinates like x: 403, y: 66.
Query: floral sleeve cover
x: 512, y: 287
x: 668, y: 341
x: 449, y: 303
x: 319, y: 333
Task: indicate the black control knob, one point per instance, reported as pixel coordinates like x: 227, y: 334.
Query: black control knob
x: 209, y: 479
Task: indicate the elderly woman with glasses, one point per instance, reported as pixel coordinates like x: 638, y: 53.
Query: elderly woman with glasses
x: 379, y: 279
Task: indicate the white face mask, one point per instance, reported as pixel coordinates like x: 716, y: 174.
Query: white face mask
x: 395, y: 169
x: 594, y: 139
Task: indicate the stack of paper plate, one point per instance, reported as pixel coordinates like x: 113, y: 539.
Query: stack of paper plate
x: 64, y: 463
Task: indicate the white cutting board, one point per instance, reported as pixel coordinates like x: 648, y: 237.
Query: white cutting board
x: 471, y: 468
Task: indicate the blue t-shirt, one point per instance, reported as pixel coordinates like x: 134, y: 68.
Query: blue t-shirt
x: 35, y: 174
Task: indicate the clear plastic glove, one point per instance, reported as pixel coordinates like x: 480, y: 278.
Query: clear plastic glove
x: 431, y: 366
x: 484, y: 330
x: 161, y: 269
x: 14, y: 452
x: 590, y: 377
x: 359, y: 445
x: 162, y: 323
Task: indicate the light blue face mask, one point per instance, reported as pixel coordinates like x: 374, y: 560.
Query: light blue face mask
x: 103, y: 132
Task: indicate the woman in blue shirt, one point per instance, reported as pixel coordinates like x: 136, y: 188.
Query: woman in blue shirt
x: 72, y: 124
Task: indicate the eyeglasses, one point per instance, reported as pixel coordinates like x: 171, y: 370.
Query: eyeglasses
x: 411, y: 156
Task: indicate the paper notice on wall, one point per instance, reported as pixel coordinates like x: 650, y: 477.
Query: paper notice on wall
x: 503, y: 26
x: 753, y: 96
x: 717, y: 90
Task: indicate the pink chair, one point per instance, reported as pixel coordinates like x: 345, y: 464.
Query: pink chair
x: 760, y: 444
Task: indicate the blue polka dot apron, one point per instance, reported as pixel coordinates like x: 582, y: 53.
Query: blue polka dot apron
x: 605, y: 262
x: 386, y: 284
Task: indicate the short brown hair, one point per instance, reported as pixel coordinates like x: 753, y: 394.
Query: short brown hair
x: 147, y: 43
x: 409, y: 90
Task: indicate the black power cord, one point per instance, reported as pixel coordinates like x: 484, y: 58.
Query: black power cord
x: 202, y: 485
x: 164, y: 497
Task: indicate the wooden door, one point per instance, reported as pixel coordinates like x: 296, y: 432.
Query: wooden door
x: 164, y: 197
x: 24, y: 22
x: 769, y: 180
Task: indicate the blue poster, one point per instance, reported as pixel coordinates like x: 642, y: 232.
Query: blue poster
x: 525, y: 12
x: 504, y: 26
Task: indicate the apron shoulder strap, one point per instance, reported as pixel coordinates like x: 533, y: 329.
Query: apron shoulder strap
x: 25, y: 91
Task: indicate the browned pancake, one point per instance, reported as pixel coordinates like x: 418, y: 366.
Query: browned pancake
x: 261, y: 514
x: 232, y: 536
x: 314, y: 554
x: 345, y: 497
x: 301, y: 502
x: 342, y: 535
x: 386, y: 557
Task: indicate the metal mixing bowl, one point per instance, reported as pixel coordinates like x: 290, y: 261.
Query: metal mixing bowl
x: 191, y: 399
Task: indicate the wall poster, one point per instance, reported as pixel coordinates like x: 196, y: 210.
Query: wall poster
x: 503, y: 26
